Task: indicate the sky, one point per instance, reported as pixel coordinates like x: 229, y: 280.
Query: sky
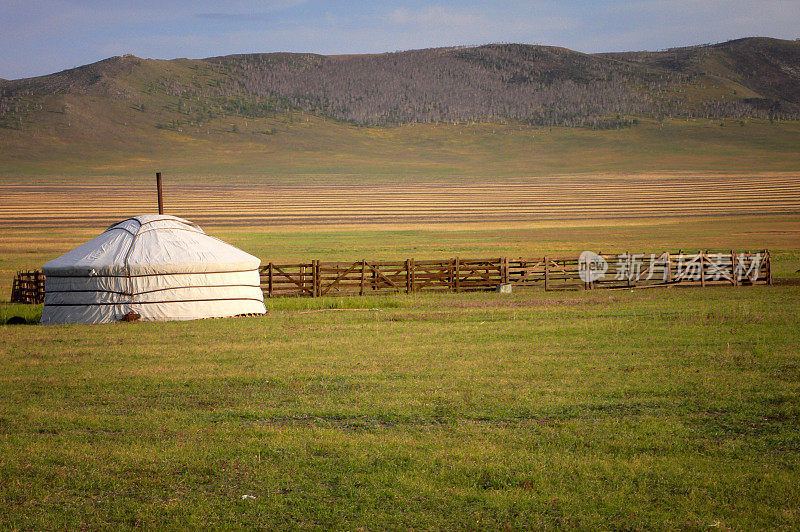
x: 41, y: 37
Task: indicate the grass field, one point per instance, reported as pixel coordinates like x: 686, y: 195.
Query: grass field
x: 653, y: 409
x: 670, y: 409
x: 308, y: 148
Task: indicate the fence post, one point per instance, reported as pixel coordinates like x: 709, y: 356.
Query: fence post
x: 315, y: 277
x: 451, y: 270
x: 587, y: 280
x: 587, y: 275
x: 269, y: 280
x: 628, y: 268
x: 363, y: 274
x: 734, y: 276
x: 702, y: 268
x: 412, y: 273
x: 456, y: 277
x: 408, y: 277
x: 769, y: 266
x: 546, y: 271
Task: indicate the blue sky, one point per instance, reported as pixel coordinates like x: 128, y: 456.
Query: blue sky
x: 43, y: 37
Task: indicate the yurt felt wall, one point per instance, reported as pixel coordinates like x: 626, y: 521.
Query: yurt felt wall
x: 155, y: 266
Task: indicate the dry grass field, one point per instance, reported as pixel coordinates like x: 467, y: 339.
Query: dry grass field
x: 316, y: 201
x: 317, y: 149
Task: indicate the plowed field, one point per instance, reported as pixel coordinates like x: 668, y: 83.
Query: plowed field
x: 420, y: 201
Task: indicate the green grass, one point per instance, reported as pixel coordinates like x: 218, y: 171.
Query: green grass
x: 654, y: 409
x: 674, y: 408
x: 30, y: 313
x: 668, y: 408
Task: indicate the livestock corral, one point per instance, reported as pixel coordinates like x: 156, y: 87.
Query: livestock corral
x: 589, y: 271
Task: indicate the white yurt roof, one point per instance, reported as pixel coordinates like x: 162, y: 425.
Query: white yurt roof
x: 157, y: 267
x: 152, y: 243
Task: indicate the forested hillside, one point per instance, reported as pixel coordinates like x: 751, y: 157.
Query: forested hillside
x: 538, y: 84
x: 541, y: 85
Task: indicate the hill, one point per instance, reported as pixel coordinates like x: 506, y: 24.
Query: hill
x: 539, y: 84
x: 126, y: 108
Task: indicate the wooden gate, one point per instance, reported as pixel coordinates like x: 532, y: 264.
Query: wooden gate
x: 28, y: 287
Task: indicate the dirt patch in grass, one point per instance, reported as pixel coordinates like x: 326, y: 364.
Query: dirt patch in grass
x: 533, y: 301
x: 786, y: 281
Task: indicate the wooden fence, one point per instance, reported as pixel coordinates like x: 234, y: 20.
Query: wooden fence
x: 28, y: 287
x: 592, y: 271
x: 626, y: 270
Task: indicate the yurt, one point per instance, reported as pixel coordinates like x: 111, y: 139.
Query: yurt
x: 153, y: 268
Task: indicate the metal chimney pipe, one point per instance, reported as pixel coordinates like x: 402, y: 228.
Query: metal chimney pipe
x: 160, y: 198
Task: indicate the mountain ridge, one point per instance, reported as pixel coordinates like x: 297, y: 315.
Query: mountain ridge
x: 754, y: 77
